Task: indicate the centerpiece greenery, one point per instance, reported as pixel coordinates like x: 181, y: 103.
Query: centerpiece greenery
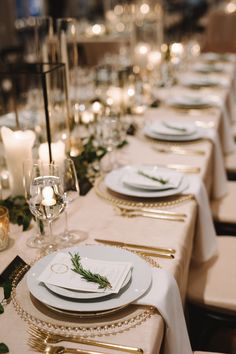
x: 87, y: 168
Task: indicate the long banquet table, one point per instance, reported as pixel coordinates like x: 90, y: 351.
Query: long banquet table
x: 100, y: 219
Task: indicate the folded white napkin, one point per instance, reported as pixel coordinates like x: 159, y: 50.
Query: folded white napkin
x: 227, y: 136
x: 164, y: 295
x: 232, y: 103
x: 205, y: 243
x: 219, y: 174
x: 146, y: 177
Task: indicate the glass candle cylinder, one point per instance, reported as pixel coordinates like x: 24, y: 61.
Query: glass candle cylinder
x: 4, y: 228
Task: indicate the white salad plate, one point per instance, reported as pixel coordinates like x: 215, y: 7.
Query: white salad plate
x: 151, y: 133
x: 141, y: 279
x: 188, y: 101
x: 115, y: 182
x: 173, y: 128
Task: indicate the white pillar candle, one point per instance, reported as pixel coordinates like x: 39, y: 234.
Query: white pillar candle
x: 18, y: 147
x: 57, y: 150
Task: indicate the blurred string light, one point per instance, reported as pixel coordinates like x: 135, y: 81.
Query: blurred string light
x: 230, y: 7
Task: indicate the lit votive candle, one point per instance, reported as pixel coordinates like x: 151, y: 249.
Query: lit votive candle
x: 18, y: 147
x: 176, y: 49
x: 48, y: 195
x: 141, y: 54
x: 87, y: 117
x: 4, y: 228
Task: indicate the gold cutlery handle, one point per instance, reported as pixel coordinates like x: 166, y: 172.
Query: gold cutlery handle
x: 136, y: 246
x: 153, y: 216
x: 78, y: 351
x: 178, y: 151
x: 106, y: 345
x: 158, y: 255
x: 152, y: 210
x: 183, y: 168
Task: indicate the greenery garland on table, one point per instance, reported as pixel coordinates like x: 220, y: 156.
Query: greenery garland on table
x: 87, y: 168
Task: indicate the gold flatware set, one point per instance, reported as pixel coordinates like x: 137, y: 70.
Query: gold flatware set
x: 150, y: 213
x: 43, y: 342
x: 145, y: 250
x: 177, y: 150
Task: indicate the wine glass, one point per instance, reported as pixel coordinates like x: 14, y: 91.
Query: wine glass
x: 71, y: 192
x: 38, y: 240
x: 46, y: 198
x: 110, y: 133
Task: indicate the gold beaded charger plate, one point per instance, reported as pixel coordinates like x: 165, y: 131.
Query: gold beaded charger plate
x: 140, y: 281
x: 63, y: 322
x: 117, y: 199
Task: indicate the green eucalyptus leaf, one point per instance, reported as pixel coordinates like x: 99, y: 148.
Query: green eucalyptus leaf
x: 1, y: 309
x: 3, y: 348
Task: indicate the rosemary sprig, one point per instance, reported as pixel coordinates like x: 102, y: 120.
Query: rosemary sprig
x: 87, y: 274
x: 157, y: 179
x: 169, y: 126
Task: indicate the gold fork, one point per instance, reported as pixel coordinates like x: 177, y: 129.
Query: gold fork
x: 42, y: 347
x: 52, y: 338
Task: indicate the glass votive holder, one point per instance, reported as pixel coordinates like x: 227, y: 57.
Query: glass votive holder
x: 4, y: 228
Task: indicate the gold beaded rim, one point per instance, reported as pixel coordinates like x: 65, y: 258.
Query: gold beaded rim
x: 114, y: 327
x: 103, y: 193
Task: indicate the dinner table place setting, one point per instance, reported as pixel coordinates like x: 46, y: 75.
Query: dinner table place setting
x: 91, y: 283
x: 149, y: 182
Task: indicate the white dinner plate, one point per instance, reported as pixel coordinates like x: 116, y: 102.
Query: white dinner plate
x: 185, y: 101
x: 191, y: 137
x: 140, y: 281
x: 114, y: 181
x: 204, y: 81
x: 74, y: 294
x: 173, y: 128
x: 210, y: 68
x: 212, y: 57
x: 133, y: 178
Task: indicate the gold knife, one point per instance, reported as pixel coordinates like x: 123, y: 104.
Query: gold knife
x: 133, y: 245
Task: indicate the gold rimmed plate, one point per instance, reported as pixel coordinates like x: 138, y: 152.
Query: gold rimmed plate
x: 140, y: 281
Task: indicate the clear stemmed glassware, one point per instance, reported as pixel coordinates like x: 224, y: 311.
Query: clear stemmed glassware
x: 71, y: 192
x: 110, y: 131
x: 37, y: 240
x: 46, y: 197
